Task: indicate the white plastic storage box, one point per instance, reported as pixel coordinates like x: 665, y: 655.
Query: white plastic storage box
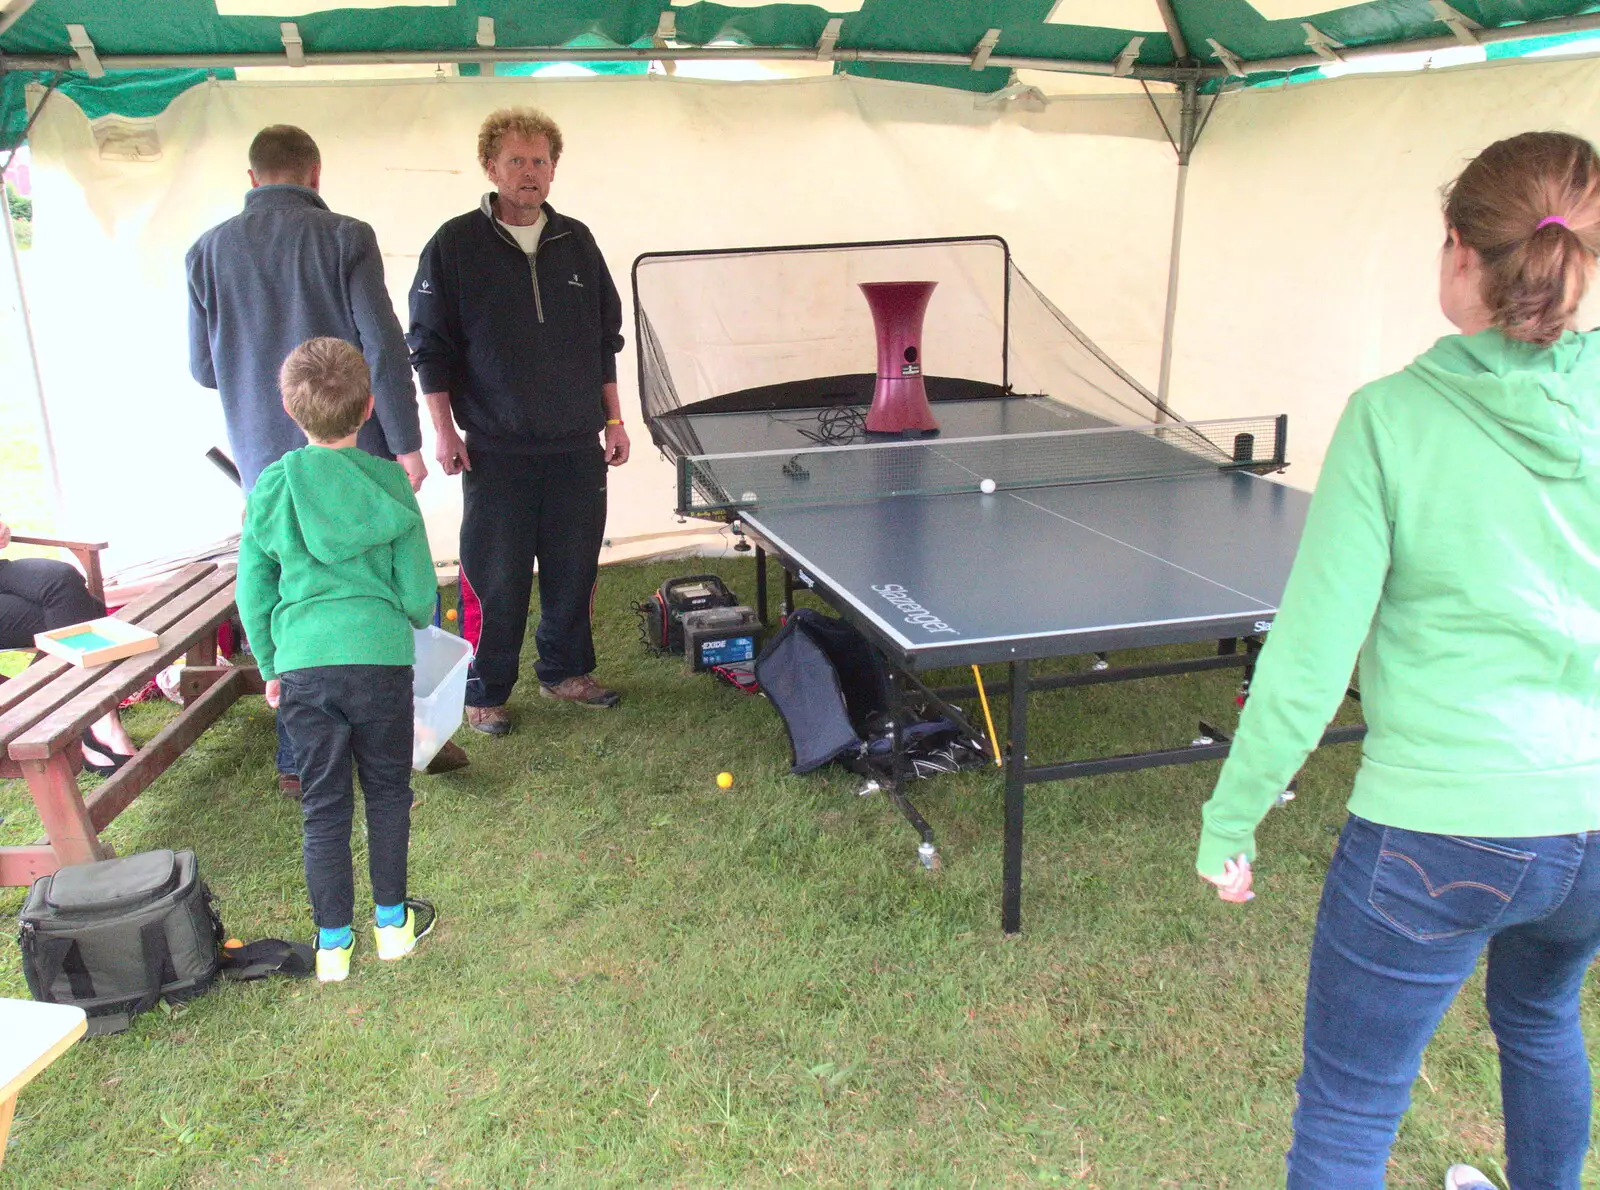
x: 439, y: 689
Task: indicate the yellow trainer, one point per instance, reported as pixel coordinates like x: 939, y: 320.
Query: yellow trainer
x: 395, y: 942
x: 333, y: 962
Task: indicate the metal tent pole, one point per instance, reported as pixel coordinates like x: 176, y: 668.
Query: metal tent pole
x: 1188, y: 134
x: 46, y: 437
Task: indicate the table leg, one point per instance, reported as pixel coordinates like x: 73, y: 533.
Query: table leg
x: 899, y: 717
x: 61, y: 809
x: 8, y: 1106
x: 203, y: 651
x: 761, y: 584
x: 1016, y: 765
x: 787, y: 607
x: 1252, y: 650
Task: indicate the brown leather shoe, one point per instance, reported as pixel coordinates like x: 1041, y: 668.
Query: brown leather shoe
x: 583, y: 690
x: 448, y: 759
x: 489, y: 720
x: 289, y: 785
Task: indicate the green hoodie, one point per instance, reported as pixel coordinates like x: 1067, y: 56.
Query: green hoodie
x: 1454, y: 543
x: 334, y: 566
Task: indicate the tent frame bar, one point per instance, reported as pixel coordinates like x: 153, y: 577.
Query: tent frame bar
x: 1184, y: 71
x: 492, y: 54
x: 1169, y: 18
x: 1553, y: 27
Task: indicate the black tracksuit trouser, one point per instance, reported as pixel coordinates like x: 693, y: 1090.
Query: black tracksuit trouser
x: 37, y: 594
x: 519, y: 509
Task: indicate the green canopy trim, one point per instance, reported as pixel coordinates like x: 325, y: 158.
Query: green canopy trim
x: 967, y: 44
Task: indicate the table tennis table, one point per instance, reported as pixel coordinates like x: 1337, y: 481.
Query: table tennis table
x: 1096, y: 537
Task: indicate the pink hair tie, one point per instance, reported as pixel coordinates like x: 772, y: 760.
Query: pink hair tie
x: 1560, y: 220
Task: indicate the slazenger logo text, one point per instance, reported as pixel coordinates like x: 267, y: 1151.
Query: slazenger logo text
x: 915, y: 613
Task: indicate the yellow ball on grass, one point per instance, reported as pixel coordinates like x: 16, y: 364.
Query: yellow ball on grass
x: 724, y: 780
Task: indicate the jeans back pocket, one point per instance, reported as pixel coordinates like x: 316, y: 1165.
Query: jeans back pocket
x: 1431, y: 887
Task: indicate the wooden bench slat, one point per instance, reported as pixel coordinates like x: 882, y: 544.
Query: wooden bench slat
x: 43, y: 670
x: 23, y: 865
x: 21, y: 716
x: 66, y: 722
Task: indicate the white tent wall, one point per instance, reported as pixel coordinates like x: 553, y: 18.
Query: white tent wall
x: 1313, y: 228
x: 1082, y: 191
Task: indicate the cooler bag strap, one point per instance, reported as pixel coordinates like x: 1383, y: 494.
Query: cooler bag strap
x: 77, y: 972
x: 60, y: 956
x: 157, y: 962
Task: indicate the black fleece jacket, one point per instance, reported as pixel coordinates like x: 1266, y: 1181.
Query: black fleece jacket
x: 522, y: 343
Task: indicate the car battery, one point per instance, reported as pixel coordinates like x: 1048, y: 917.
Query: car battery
x: 719, y: 636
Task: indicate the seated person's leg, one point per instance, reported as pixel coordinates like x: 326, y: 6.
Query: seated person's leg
x: 56, y: 590
x: 37, y: 594
x: 19, y: 619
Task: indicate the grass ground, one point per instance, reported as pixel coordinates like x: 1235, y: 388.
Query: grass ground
x: 640, y: 979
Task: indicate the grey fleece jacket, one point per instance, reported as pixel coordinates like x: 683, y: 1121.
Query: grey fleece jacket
x: 284, y: 270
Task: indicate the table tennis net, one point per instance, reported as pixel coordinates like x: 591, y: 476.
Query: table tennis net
x: 720, y: 486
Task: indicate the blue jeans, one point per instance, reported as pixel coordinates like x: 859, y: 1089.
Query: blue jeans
x: 1403, y: 918
x: 345, y: 717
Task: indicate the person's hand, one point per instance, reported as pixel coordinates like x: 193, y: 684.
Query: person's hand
x: 5, y: 535
x: 273, y: 692
x: 1234, y: 883
x: 416, y: 469
x: 451, y: 452
x: 617, y: 446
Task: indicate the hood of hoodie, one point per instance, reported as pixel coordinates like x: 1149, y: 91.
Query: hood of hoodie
x: 1539, y: 404
x: 340, y: 503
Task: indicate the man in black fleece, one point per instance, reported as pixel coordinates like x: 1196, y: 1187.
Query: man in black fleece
x: 515, y: 329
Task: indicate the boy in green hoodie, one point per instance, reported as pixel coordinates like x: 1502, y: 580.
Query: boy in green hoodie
x: 1453, y: 544
x: 334, y: 572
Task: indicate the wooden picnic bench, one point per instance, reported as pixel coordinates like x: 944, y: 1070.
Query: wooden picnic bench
x: 45, y: 709
x: 86, y: 552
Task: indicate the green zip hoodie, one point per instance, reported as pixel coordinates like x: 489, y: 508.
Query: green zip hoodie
x: 1454, y: 543
x: 334, y: 566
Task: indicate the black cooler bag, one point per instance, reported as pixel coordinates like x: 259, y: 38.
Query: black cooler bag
x: 114, y: 937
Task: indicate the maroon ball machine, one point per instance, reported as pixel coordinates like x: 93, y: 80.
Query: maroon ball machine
x: 899, y: 399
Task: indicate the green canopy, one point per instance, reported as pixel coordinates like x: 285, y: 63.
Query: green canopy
x: 132, y: 59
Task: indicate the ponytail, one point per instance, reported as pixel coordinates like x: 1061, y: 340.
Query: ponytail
x: 1530, y: 206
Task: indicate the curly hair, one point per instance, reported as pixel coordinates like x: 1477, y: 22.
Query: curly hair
x: 1530, y: 206
x: 516, y: 121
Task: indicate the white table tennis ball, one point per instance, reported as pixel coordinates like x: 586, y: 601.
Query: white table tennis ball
x: 748, y: 498
x: 987, y: 487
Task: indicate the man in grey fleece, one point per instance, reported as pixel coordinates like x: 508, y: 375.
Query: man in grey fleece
x: 285, y: 270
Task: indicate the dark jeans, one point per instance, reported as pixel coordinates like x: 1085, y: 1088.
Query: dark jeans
x: 1403, y: 918
x: 37, y: 594
x: 285, y: 756
x: 519, y: 509
x: 338, y: 714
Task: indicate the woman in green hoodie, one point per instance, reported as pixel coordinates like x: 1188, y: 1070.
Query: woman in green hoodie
x: 1453, y: 545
